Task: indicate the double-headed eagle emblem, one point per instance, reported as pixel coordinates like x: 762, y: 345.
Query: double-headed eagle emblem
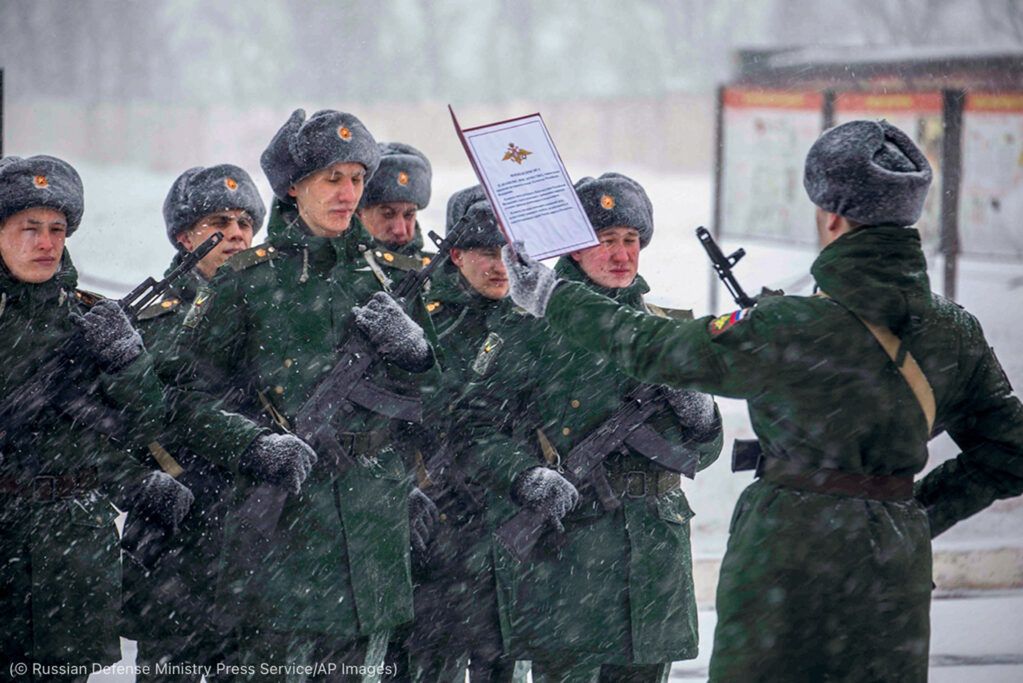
x: 515, y: 153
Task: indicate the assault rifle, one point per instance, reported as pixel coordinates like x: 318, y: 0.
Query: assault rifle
x: 723, y: 266
x: 53, y: 384
x: 626, y: 426
x: 343, y: 388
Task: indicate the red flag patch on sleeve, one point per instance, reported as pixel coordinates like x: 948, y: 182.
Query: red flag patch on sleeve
x: 727, y: 321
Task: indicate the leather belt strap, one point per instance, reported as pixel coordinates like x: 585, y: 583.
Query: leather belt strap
x: 907, y: 365
x: 835, y: 482
x: 50, y: 487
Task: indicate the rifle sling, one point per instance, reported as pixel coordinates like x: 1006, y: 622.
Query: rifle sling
x: 646, y: 441
x: 385, y: 402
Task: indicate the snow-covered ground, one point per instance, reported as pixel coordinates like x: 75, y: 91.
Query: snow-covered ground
x: 122, y: 240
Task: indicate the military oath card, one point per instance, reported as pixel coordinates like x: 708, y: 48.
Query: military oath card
x: 528, y: 186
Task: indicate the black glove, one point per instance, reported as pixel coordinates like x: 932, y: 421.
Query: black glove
x: 530, y: 283
x: 696, y: 411
x: 544, y: 490
x: 279, y: 459
x: 109, y: 336
x: 422, y: 518
x: 398, y: 337
x: 163, y: 499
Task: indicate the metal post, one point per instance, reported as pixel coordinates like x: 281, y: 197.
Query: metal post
x: 951, y: 173
x: 828, y: 109
x: 719, y: 164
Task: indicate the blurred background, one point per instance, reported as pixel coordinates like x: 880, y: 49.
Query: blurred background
x: 133, y: 93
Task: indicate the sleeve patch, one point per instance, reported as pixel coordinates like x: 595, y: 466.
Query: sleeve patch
x: 727, y: 321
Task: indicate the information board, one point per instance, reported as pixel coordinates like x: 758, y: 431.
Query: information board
x: 765, y: 137
x: 991, y: 192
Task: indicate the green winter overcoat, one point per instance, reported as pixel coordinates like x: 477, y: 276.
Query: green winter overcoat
x: 817, y: 586
x: 269, y: 325
x: 61, y: 572
x: 175, y: 596
x: 619, y: 589
x: 464, y: 322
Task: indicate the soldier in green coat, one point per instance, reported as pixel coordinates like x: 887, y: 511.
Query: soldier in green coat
x: 335, y: 577
x: 60, y: 474
x: 611, y: 597
x: 455, y: 591
x: 169, y: 585
x: 398, y: 191
x: 827, y: 574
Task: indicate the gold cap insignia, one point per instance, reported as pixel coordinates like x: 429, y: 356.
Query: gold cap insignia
x: 344, y: 133
x: 231, y: 184
x: 607, y: 201
x: 40, y: 181
x: 402, y: 178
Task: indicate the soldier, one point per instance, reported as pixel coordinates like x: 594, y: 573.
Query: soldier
x: 613, y: 597
x: 827, y: 574
x: 397, y: 192
x: 455, y: 593
x: 59, y: 475
x: 335, y: 576
x: 167, y: 602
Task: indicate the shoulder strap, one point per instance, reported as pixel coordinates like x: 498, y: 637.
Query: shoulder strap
x: 909, y: 368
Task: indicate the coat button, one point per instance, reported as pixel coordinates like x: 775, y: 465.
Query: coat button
x: 575, y: 403
x: 278, y: 389
x: 566, y: 431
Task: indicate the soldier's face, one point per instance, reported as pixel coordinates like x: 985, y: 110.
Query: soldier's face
x: 615, y: 261
x: 483, y: 269
x: 237, y: 227
x: 392, y: 224
x: 32, y: 242
x: 327, y: 199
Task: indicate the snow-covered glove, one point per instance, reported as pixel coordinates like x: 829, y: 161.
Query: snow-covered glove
x: 422, y: 519
x: 279, y: 459
x: 530, y: 282
x: 695, y: 410
x: 162, y: 499
x: 544, y: 490
x: 109, y: 336
x: 398, y: 338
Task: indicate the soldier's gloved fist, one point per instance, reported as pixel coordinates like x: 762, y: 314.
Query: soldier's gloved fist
x: 279, y: 459
x: 696, y: 411
x: 162, y: 499
x: 530, y: 282
x: 422, y: 517
x: 109, y: 336
x: 398, y: 337
x: 544, y: 490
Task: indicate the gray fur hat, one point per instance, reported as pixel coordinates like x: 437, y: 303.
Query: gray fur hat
x: 201, y: 191
x: 41, y: 181
x: 404, y: 175
x: 614, y: 199
x: 480, y: 230
x: 303, y: 146
x: 869, y: 172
